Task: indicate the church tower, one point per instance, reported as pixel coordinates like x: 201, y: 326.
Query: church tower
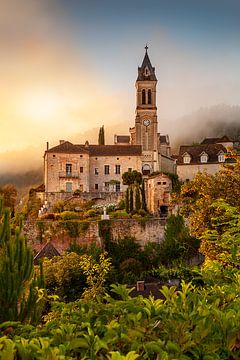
x: 145, y: 132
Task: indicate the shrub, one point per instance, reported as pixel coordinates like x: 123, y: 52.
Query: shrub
x: 69, y: 215
x: 120, y: 215
x: 58, y: 207
x: 121, y: 205
x: 90, y: 213
x: 136, y: 216
x: 143, y: 212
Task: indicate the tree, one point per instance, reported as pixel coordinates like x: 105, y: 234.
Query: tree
x: 127, y: 200
x: 131, y: 204
x: 137, y: 198
x: 197, y: 196
x: 9, y: 194
x: 101, y: 136
x: 19, y: 286
x: 222, y: 242
x: 177, y: 241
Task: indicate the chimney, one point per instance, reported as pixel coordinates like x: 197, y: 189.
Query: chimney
x: 47, y: 145
x: 140, y: 286
x: 87, y: 144
x: 61, y: 142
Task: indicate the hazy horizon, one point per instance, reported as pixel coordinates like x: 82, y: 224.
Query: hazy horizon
x: 69, y: 67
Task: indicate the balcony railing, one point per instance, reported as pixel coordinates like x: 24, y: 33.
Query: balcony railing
x: 68, y: 175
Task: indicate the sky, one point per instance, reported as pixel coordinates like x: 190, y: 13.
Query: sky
x: 69, y: 66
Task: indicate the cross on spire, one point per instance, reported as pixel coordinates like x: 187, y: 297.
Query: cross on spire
x: 146, y: 48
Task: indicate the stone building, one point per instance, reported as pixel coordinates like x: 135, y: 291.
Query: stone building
x: 98, y: 168
x: 209, y: 156
x: 158, y: 191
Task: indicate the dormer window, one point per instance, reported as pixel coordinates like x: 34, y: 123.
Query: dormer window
x: 204, y: 157
x: 221, y: 157
x: 186, y: 158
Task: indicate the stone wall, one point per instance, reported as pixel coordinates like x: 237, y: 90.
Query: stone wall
x: 63, y: 233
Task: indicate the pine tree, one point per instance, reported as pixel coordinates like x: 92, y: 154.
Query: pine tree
x: 18, y: 295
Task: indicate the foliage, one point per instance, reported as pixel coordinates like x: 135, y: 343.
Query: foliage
x: 137, y: 198
x: 222, y: 242
x: 9, y: 193
x: 188, y: 324
x: 119, y: 214
x: 19, y: 286
x: 33, y: 205
x: 198, y: 195
x: 64, y: 276
x: 177, y: 242
x: 176, y: 184
x: 131, y: 200
x: 127, y: 201
x: 90, y: 213
x: 69, y: 215
x: 101, y: 136
x: 90, y: 249
x: 58, y: 207
x: 96, y: 273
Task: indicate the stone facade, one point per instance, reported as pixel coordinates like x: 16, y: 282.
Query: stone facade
x: 209, y: 156
x: 56, y: 232
x: 158, y: 192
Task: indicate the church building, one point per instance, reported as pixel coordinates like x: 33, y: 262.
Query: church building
x: 98, y: 168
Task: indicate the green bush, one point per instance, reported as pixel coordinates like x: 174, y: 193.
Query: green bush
x: 90, y: 213
x: 119, y: 214
x: 69, y: 215
x: 121, y: 205
x: 58, y: 207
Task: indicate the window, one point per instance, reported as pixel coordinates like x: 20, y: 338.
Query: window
x: 80, y: 155
x: 164, y: 183
x: 106, y: 169
x: 159, y: 183
x: 117, y: 169
x: 68, y: 169
x: 149, y: 97
x: 96, y: 186
x: 117, y: 187
x: 221, y: 158
x: 54, y: 155
x: 129, y: 169
x: 143, y: 96
x: 96, y: 171
x: 81, y: 169
x: 204, y: 158
x: 186, y: 159
x: 68, y: 187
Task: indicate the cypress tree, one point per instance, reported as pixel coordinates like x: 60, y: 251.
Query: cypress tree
x: 137, y: 198
x: 18, y: 295
x: 127, y: 200
x: 131, y: 200
x: 144, y: 205
x: 101, y: 136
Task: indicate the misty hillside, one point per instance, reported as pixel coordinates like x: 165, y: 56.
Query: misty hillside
x: 23, y: 181
x: 215, y: 121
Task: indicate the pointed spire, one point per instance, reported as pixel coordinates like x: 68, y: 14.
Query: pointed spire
x: 146, y: 71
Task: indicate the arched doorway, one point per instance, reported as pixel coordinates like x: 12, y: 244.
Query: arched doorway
x: 146, y: 169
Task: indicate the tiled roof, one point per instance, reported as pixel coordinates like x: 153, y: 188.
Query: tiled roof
x: 195, y: 151
x: 48, y: 251
x: 216, y: 140
x: 115, y: 150
x: 97, y: 150
x: 68, y: 148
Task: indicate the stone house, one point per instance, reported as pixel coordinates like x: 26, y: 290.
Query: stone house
x: 158, y: 191
x: 209, y: 156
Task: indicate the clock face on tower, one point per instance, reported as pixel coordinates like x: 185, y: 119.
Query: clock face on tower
x: 146, y: 122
